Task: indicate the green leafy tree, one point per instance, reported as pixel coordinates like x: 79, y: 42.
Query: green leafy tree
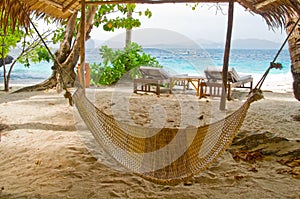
x: 68, y: 35
x: 8, y: 41
x: 29, y: 48
x: 116, y: 63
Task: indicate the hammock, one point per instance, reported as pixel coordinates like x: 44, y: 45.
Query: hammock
x: 163, y: 156
x: 167, y: 155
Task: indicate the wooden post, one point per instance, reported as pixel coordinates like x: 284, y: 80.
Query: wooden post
x: 82, y: 45
x: 226, y: 55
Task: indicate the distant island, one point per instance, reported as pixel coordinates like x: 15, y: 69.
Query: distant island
x: 160, y: 38
x: 255, y: 44
x: 242, y: 44
x: 205, y: 44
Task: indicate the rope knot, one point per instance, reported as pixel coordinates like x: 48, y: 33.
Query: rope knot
x: 256, y: 94
x: 275, y: 65
x: 69, y: 96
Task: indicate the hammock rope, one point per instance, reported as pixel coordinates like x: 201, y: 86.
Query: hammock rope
x: 273, y: 64
x: 60, y: 69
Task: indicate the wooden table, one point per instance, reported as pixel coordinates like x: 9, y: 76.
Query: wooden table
x: 194, y: 80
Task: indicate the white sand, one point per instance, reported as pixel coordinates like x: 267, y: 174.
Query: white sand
x: 43, y: 155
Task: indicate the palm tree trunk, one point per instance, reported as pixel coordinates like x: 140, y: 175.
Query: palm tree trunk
x: 294, y: 49
x: 128, y: 30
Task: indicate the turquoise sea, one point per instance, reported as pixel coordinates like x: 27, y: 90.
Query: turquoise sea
x: 190, y: 61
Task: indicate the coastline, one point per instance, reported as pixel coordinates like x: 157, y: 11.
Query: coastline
x: 280, y: 83
x: 45, y: 153
x: 273, y: 83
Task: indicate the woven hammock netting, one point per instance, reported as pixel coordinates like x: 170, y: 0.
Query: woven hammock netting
x: 163, y: 156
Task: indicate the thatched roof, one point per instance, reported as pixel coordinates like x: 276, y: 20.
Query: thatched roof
x: 274, y: 11
x: 12, y: 9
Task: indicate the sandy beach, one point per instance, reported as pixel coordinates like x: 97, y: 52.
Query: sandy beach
x: 47, y: 152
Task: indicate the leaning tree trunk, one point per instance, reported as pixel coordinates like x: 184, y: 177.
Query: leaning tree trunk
x: 294, y: 49
x: 67, y: 55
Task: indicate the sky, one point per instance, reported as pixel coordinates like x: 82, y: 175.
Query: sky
x: 205, y: 23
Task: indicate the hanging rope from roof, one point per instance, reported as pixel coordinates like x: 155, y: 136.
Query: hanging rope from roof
x: 60, y: 68
x: 273, y: 64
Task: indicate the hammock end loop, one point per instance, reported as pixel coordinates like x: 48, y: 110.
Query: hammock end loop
x: 255, y: 95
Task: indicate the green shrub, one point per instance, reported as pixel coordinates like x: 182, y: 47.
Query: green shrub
x: 116, y: 63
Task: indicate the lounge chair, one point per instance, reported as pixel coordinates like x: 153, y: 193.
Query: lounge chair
x: 213, y: 85
x: 155, y: 77
x: 151, y: 77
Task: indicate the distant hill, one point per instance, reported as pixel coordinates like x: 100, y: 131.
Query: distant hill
x: 254, y: 44
x: 205, y: 44
x: 242, y: 44
x: 90, y: 44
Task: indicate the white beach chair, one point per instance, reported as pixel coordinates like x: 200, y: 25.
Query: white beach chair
x: 155, y: 77
x: 213, y: 85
